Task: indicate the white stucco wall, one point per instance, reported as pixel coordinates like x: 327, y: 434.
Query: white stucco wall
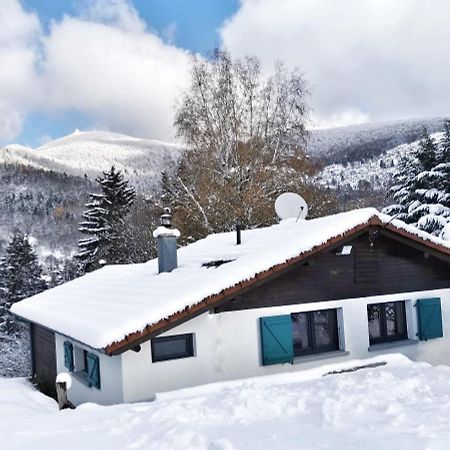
x: 110, y: 391
x: 227, y: 345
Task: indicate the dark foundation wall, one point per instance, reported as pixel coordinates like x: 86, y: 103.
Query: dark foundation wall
x: 44, y: 359
x: 387, y: 267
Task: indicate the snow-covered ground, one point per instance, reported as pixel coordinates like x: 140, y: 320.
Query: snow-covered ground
x: 401, y: 405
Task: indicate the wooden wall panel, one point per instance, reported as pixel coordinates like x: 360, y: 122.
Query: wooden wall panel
x: 44, y: 359
x: 387, y: 267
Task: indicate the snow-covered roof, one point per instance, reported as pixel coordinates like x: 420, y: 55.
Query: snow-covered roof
x: 111, y: 303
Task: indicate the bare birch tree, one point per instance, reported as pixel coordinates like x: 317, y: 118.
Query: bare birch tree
x: 245, y: 135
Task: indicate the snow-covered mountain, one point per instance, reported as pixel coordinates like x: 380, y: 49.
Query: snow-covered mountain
x: 90, y: 152
x: 377, y: 171
x: 367, y: 141
x: 43, y: 190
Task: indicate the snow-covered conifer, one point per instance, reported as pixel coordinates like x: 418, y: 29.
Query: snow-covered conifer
x: 444, y: 144
x: 103, y: 218
x: 403, y: 191
x: 22, y: 273
x: 427, y: 151
x: 422, y: 186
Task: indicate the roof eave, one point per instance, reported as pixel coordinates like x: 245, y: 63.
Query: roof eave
x: 138, y: 337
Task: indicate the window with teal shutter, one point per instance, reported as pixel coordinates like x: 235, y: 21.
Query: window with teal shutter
x: 276, y: 339
x: 68, y: 356
x: 429, y: 317
x: 93, y: 370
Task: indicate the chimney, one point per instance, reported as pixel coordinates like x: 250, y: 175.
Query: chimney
x: 166, y: 241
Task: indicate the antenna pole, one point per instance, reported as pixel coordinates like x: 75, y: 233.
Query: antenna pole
x: 238, y: 232
x: 300, y: 213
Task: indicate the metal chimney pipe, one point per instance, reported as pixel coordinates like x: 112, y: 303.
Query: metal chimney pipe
x: 166, y: 241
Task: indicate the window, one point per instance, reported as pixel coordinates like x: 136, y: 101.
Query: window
x: 314, y: 332
x: 84, y: 364
x: 387, y: 322
x: 172, y: 347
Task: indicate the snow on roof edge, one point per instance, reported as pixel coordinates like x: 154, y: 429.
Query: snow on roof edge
x: 144, y: 274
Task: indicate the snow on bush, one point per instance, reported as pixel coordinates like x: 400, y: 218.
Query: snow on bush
x: 446, y: 232
x: 15, y: 359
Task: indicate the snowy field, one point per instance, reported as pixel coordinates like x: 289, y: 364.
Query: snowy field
x: 400, y: 405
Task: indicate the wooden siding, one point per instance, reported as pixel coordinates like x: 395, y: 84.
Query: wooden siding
x: 387, y: 267
x: 44, y: 359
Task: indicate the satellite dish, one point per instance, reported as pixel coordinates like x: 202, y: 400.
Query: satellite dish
x: 291, y: 206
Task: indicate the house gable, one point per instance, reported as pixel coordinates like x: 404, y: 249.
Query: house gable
x: 374, y: 230
x: 379, y: 263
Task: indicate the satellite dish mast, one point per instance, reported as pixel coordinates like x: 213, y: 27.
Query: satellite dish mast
x: 291, y: 206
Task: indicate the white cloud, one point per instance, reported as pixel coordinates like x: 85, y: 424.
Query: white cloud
x: 348, y: 117
x: 364, y: 59
x: 116, y: 13
x: 127, y: 80
x: 18, y: 33
x: 104, y: 63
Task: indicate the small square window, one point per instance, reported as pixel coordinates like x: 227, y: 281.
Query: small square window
x: 172, y: 347
x: 387, y: 322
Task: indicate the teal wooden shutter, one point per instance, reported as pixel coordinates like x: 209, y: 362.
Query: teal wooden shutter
x: 429, y: 317
x: 68, y: 356
x: 93, y: 370
x: 276, y: 339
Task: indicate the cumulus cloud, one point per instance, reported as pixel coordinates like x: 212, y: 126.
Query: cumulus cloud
x: 117, y: 13
x: 363, y: 59
x: 104, y: 63
x: 18, y: 33
x: 127, y: 79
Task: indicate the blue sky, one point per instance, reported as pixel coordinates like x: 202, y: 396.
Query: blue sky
x: 195, y: 21
x: 188, y: 24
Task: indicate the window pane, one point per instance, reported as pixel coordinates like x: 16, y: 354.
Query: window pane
x: 374, y: 317
x: 325, y: 328
x: 395, y: 323
x: 172, y: 347
x: 300, y: 332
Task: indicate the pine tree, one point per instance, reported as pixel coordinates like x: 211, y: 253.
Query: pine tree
x: 422, y: 186
x: 431, y: 209
x: 103, y: 220
x: 444, y: 154
x: 427, y: 151
x: 22, y: 273
x: 403, y: 191
x: 3, y: 309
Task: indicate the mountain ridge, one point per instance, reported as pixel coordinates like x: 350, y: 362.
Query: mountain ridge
x: 91, y: 152
x: 45, y: 188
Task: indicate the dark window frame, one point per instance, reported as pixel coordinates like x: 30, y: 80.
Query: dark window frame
x: 314, y: 349
x: 189, y: 342
x: 384, y: 338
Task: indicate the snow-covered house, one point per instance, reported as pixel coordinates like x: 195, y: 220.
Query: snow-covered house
x: 290, y: 296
